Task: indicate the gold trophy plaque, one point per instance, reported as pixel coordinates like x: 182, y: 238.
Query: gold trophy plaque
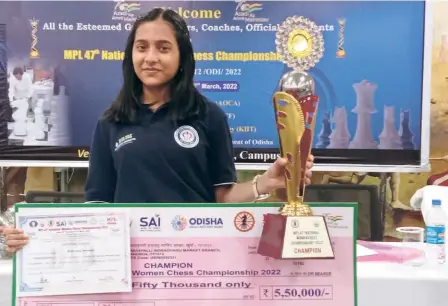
x: 295, y: 233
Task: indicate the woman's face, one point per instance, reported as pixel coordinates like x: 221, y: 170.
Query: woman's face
x: 155, y: 53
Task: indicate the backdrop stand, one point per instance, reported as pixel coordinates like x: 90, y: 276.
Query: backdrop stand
x: 63, y: 178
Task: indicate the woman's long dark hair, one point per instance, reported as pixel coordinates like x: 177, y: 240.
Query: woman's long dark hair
x: 186, y: 101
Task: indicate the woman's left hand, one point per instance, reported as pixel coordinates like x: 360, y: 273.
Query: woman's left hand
x: 274, y: 177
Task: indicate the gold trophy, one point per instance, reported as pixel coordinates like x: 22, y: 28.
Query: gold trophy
x: 295, y: 232
x: 34, y: 52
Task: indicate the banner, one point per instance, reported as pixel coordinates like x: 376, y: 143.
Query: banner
x: 370, y: 79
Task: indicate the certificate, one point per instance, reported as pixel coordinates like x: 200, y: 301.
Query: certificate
x: 206, y: 255
x: 73, y: 253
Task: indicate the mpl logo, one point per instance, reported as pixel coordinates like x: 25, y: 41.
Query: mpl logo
x: 125, y: 11
x: 150, y: 224
x: 245, y: 11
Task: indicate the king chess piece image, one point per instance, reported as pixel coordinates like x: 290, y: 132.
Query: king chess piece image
x: 340, y: 136
x: 389, y: 137
x: 324, y: 135
x: 405, y: 132
x: 59, y: 126
x: 443, y: 54
x: 364, y: 109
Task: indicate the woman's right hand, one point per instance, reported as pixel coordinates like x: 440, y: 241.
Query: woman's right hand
x: 15, y: 239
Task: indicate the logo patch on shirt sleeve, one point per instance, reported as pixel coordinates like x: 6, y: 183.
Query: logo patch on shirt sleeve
x: 186, y: 136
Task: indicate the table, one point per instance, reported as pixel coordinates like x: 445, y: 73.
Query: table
x: 384, y: 284
x: 5, y: 282
x: 391, y: 284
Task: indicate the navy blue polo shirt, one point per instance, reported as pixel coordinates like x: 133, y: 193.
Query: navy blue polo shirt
x: 160, y: 161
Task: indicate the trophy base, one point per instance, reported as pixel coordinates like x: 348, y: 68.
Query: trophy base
x: 295, y: 237
x: 296, y: 210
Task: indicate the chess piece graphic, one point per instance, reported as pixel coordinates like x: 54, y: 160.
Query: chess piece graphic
x: 325, y: 132
x: 364, y: 109
x: 340, y: 136
x: 389, y: 137
x: 58, y: 126
x: 20, y: 117
x: 443, y: 54
x: 405, y: 132
x: 40, y: 125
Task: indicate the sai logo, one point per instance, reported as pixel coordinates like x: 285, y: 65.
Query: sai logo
x: 245, y: 11
x: 125, y: 11
x: 179, y: 223
x: 150, y: 224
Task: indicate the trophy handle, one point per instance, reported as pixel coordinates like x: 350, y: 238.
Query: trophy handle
x: 291, y: 127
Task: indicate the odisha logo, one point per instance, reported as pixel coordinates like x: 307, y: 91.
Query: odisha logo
x: 179, y: 223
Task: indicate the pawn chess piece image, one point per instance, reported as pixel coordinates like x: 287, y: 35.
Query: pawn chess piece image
x: 364, y: 109
x: 443, y: 54
x: 389, y: 137
x: 340, y: 136
x: 20, y: 117
x: 324, y: 135
x: 40, y: 126
x: 405, y: 132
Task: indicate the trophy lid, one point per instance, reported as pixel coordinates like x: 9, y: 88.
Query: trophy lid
x: 299, y: 43
x: 297, y: 81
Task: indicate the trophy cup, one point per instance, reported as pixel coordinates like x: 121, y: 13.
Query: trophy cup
x: 295, y: 233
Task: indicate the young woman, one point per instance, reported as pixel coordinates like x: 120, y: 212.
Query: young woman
x: 161, y: 141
